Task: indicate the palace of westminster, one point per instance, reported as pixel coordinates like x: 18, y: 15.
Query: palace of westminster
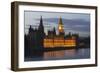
x: 37, y: 38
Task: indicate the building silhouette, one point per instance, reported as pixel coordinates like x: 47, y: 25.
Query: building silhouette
x: 34, y: 39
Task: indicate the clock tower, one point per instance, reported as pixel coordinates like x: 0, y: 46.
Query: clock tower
x: 61, y: 27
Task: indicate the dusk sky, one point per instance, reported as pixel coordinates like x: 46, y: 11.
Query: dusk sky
x: 73, y: 22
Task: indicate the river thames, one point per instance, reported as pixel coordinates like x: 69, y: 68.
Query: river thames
x: 80, y: 53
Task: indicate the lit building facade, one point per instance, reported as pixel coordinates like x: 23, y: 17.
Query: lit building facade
x: 52, y: 40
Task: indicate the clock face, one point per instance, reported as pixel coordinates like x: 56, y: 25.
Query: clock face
x: 60, y: 27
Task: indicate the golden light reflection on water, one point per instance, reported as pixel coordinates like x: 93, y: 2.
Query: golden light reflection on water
x: 59, y: 54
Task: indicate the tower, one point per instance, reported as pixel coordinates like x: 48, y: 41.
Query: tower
x: 41, y: 34
x: 41, y: 27
x: 30, y: 29
x: 61, y: 27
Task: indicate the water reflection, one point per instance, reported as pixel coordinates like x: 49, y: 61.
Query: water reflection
x: 53, y: 54
x: 60, y: 54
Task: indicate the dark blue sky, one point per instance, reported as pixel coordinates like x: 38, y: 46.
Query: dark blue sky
x: 73, y: 22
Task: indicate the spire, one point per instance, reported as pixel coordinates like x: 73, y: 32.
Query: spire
x: 54, y: 31
x: 60, y: 21
x: 41, y: 27
x: 30, y: 29
x: 30, y: 26
x: 41, y: 22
